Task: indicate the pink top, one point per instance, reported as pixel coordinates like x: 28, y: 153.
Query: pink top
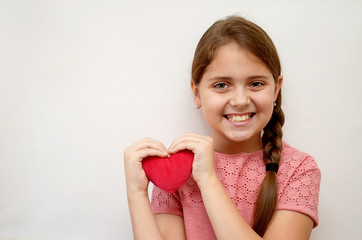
x: 241, y: 175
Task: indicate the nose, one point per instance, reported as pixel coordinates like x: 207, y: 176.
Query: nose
x: 239, y: 98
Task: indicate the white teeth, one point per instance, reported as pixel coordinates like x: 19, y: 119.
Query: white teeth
x: 238, y: 118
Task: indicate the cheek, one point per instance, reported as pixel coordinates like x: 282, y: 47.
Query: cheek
x: 212, y: 103
x: 265, y: 103
x: 212, y: 108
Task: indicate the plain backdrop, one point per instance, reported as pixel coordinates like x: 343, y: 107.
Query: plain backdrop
x: 80, y: 80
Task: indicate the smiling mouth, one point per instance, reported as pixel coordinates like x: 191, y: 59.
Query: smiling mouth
x: 239, y: 118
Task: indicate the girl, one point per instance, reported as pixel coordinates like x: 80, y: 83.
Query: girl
x: 246, y: 182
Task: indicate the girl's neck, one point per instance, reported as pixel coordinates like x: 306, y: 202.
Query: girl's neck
x: 228, y: 147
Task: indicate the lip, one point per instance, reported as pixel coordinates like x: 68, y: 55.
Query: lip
x: 241, y: 123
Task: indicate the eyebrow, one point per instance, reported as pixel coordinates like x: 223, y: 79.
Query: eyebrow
x: 218, y: 78
x: 257, y: 77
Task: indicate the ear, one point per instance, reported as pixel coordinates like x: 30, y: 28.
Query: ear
x: 278, y: 86
x: 196, y: 93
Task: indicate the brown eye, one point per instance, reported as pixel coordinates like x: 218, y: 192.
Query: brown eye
x: 256, y: 84
x: 220, y: 85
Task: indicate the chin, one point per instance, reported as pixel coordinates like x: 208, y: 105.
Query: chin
x: 244, y: 138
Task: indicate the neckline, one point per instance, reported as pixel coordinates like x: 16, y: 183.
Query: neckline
x: 260, y: 151
x: 245, y: 154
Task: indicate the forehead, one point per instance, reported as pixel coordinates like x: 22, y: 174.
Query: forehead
x: 234, y: 57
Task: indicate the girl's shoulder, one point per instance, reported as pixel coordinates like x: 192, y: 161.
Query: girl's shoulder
x: 294, y: 161
x: 299, y: 180
x: 295, y: 157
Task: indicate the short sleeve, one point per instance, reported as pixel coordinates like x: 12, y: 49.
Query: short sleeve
x: 301, y: 193
x: 163, y: 202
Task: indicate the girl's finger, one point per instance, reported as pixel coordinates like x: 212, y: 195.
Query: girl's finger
x: 187, y: 141
x: 147, y: 143
x: 143, y: 153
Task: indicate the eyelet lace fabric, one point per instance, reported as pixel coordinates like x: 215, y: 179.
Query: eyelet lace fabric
x: 241, y: 175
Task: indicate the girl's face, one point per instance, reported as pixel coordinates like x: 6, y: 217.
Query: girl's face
x: 237, y: 94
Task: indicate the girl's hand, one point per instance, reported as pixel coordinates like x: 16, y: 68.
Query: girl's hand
x: 203, y: 167
x: 136, y: 179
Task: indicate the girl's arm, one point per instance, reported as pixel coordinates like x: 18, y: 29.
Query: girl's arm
x: 229, y: 224
x: 225, y: 218
x: 172, y: 226
x: 149, y: 226
x: 144, y: 223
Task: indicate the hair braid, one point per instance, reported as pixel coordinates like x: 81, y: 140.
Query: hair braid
x: 268, y: 195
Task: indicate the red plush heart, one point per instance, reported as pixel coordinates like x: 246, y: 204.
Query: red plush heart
x: 169, y: 173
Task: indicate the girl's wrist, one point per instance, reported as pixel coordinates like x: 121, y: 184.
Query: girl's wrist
x: 133, y: 192
x: 137, y: 198
x: 207, y: 181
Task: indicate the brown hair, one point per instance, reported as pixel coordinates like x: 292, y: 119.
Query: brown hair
x: 254, y: 39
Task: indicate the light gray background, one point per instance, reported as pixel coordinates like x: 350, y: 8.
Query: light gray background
x: 81, y: 80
